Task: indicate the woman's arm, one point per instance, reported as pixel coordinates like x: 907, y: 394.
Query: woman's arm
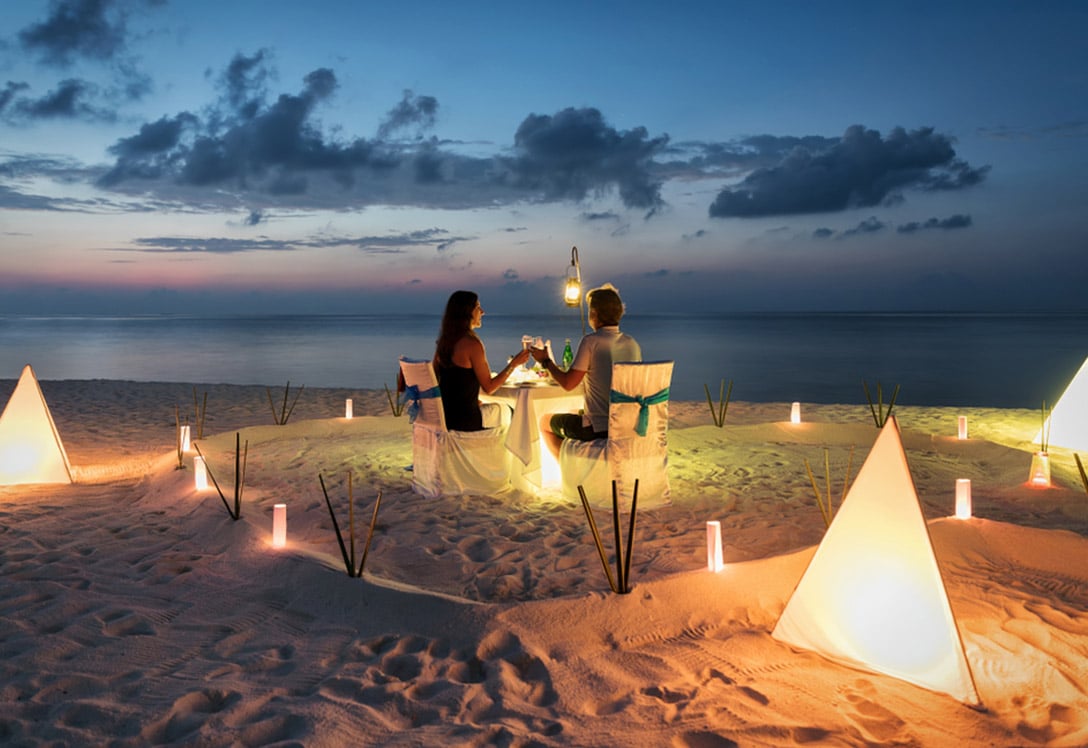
x: 477, y: 356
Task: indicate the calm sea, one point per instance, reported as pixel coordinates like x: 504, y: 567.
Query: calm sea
x: 937, y: 359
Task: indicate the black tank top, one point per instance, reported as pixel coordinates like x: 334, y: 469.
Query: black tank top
x: 460, y: 398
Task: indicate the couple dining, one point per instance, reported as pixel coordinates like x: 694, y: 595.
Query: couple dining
x: 460, y: 363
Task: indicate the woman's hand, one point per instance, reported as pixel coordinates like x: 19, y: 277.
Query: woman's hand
x: 539, y: 354
x: 520, y: 357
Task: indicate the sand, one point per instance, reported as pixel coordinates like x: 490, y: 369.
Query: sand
x: 134, y: 611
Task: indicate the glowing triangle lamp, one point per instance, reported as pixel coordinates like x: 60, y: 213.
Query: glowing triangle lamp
x: 872, y: 596
x: 1068, y: 419
x: 30, y: 447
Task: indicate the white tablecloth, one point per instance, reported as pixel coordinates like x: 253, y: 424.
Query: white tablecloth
x: 530, y: 403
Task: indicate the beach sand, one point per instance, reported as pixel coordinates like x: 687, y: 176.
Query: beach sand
x: 134, y: 611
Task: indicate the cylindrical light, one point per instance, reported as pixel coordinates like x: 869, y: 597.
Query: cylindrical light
x: 963, y: 498
x: 186, y: 438
x: 962, y: 427
x: 200, y: 471
x: 795, y: 413
x: 348, y: 409
x: 1040, y: 470
x: 279, y: 525
x: 714, y: 560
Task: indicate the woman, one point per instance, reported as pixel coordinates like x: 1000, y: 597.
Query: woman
x: 460, y: 363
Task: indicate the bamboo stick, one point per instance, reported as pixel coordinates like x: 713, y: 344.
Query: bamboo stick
x: 597, y: 538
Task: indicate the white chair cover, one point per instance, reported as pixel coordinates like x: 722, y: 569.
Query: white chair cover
x: 625, y: 455
x: 447, y: 462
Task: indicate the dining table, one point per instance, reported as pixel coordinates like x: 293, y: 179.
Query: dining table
x: 536, y: 470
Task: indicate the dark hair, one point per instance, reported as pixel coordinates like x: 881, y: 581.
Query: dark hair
x: 456, y: 324
x: 605, y: 301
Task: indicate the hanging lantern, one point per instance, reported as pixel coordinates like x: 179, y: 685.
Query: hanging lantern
x: 572, y: 291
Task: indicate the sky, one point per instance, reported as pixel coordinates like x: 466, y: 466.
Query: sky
x: 258, y: 157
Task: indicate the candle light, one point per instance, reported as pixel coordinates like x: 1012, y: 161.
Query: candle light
x: 1040, y: 470
x: 714, y: 546
x: 795, y: 413
x: 279, y: 524
x: 963, y: 498
x: 348, y: 408
x: 962, y: 430
x: 200, y: 471
x: 185, y: 438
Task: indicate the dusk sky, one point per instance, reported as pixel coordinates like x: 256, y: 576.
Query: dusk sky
x: 169, y: 156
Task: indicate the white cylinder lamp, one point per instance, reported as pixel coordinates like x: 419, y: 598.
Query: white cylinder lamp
x: 200, y: 472
x: 279, y: 524
x: 186, y: 441
x: 962, y: 427
x: 795, y: 413
x: 714, y: 560
x: 1040, y: 470
x: 963, y: 498
x: 348, y: 411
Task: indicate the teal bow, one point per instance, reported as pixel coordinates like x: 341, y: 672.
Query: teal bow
x: 413, y: 393
x: 644, y: 403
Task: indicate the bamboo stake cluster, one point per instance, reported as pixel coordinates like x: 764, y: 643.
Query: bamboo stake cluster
x: 240, y: 459
x: 621, y: 583
x: 1044, y: 430
x: 199, y: 411
x: 177, y: 438
x: 879, y: 416
x: 723, y: 403
x: 396, y: 404
x: 1083, y: 474
x: 349, y: 555
x: 284, y: 413
x: 827, y: 510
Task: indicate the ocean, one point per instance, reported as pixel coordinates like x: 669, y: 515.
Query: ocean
x: 970, y: 360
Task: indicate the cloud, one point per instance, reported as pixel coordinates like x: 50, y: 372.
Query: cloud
x: 862, y: 169
x: 870, y: 225
x: 74, y: 29
x: 957, y: 221
x: 10, y: 91
x: 69, y: 100
x: 575, y: 153
x: 439, y: 239
x: 270, y: 148
x: 255, y: 216
x: 419, y: 111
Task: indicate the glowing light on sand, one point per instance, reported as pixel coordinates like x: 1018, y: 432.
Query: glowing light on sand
x: 795, y: 413
x: 714, y: 560
x: 200, y: 473
x: 279, y: 524
x: 961, y: 431
x: 1040, y: 470
x: 1067, y: 423
x: 348, y: 409
x: 872, y: 595
x: 30, y: 447
x: 186, y: 439
x: 963, y: 498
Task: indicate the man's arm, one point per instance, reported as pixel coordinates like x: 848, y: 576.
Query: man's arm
x: 568, y: 380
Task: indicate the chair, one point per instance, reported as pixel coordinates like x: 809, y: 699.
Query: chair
x: 444, y: 462
x: 636, y: 447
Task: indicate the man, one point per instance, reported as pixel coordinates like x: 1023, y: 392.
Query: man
x: 593, y: 364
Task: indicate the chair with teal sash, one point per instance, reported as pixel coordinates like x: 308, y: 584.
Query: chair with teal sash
x: 636, y: 447
x: 445, y: 462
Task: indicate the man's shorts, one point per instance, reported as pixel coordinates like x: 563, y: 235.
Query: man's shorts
x: 570, y: 426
